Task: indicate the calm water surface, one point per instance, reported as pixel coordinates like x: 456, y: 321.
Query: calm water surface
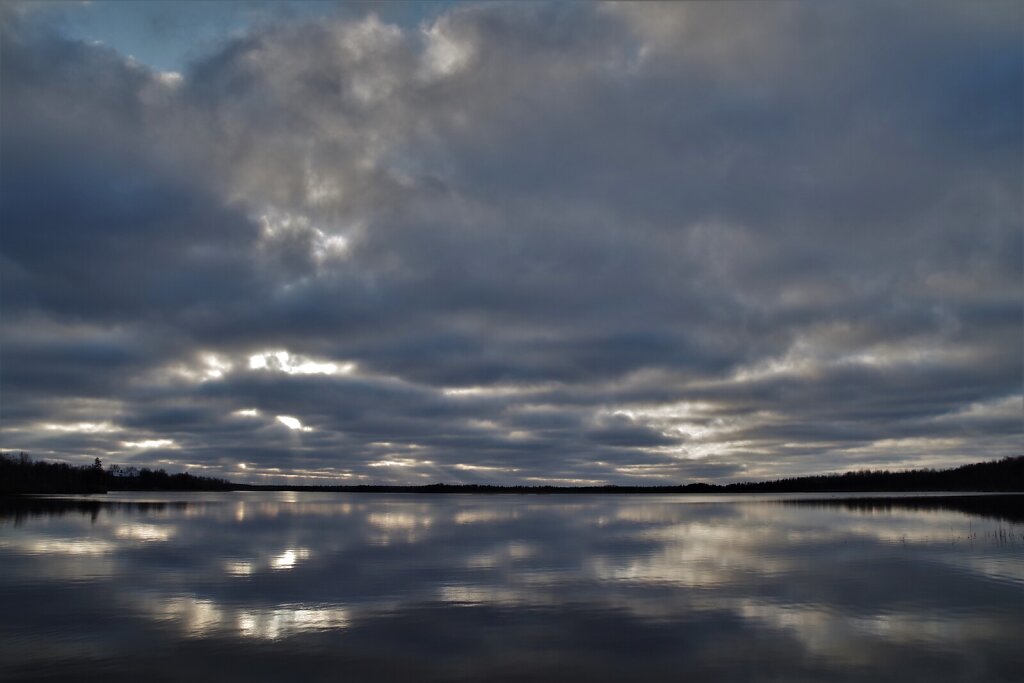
x: 293, y: 586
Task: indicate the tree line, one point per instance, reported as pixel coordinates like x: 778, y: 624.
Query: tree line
x: 21, y: 474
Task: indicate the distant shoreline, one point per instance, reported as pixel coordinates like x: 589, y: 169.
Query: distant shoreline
x: 22, y: 475
x: 1002, y: 506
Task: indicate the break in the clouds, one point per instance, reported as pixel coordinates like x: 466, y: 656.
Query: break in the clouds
x: 524, y: 242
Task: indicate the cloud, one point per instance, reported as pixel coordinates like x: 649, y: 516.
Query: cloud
x: 625, y: 243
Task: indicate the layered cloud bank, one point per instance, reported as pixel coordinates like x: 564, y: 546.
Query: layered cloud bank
x: 516, y: 243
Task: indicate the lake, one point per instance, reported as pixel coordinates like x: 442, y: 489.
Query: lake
x: 269, y: 586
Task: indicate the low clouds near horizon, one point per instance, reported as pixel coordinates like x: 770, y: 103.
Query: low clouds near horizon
x: 519, y: 243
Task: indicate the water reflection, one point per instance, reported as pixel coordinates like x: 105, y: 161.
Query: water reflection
x: 144, y: 532
x: 1009, y: 507
x: 192, y: 617
x: 469, y: 588
x: 18, y: 509
x: 288, y: 558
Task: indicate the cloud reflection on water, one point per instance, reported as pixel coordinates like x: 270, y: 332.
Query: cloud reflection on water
x: 838, y: 585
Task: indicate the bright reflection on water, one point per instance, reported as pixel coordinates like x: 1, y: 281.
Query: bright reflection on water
x: 267, y: 586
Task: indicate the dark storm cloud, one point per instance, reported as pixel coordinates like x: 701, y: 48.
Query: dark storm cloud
x: 521, y: 242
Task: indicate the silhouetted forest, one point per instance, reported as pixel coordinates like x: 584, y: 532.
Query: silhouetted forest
x: 996, y: 475
x: 21, y: 474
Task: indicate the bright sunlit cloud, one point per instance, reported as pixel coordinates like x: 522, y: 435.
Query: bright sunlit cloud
x: 150, y: 443
x: 82, y: 427
x: 283, y: 361
x: 293, y: 423
x: 400, y: 462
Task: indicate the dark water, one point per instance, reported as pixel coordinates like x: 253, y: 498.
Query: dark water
x: 291, y: 586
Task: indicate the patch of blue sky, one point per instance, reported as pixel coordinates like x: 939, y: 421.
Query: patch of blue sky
x: 169, y: 34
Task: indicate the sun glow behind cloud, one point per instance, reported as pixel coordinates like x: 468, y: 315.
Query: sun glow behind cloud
x: 147, y: 444
x: 283, y: 361
x: 293, y: 423
x: 83, y: 427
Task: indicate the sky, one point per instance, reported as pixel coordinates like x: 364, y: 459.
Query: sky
x: 513, y: 243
